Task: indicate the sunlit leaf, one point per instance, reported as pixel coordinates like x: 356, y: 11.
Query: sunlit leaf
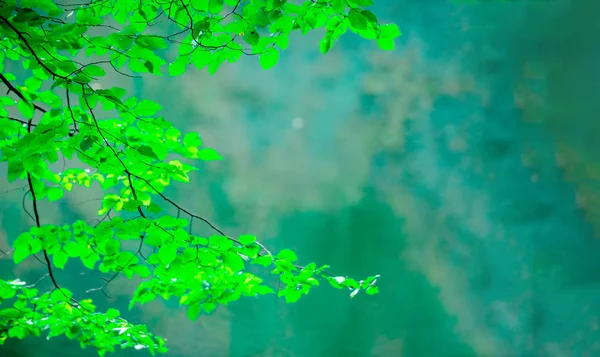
x: 59, y: 259
x: 54, y: 193
x: 209, y: 155
x: 269, y: 59
x: 389, y: 31
x: 386, y: 44
x: 26, y: 108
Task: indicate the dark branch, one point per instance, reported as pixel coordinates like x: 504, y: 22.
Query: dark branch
x: 12, y: 88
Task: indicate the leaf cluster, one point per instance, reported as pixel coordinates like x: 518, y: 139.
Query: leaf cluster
x: 56, y: 313
x: 56, y: 110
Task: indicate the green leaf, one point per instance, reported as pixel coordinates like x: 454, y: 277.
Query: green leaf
x: 363, y: 3
x: 5, y: 294
x: 89, y: 260
x: 111, y: 247
x: 207, y: 258
x: 357, y: 19
x: 114, y: 313
x: 234, y: 54
x: 147, y: 151
x: 264, y: 260
x: 86, y: 143
x: 246, y: 239
x: 178, y: 67
x: 200, y: 5
x: 16, y: 169
x: 269, y: 58
x: 167, y: 253
x: 263, y: 290
x: 220, y: 242
x: 192, y: 139
x: 33, y: 84
x: 154, y: 208
x: 82, y: 79
x: 25, y: 108
x: 372, y: 290
x: 201, y: 58
x: 7, y: 101
x: 292, y: 295
x: 251, y: 37
x: 215, y: 62
x: 17, y: 331
x: 149, y: 66
x: 233, y: 261
x: 338, y: 5
x: 147, y: 108
x: 24, y: 247
x: 59, y: 259
x: 282, y: 41
x: 72, y: 249
x: 198, y: 26
x: 386, y: 44
x: 209, y: 155
x: 287, y: 254
x: 141, y: 270
x: 132, y: 205
x: 209, y: 307
x: 389, y: 31
x: 94, y: 71
x: 215, y: 6
x: 54, y: 193
x: 326, y: 42
x: 193, y: 311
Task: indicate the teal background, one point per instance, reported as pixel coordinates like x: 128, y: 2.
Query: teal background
x: 463, y: 167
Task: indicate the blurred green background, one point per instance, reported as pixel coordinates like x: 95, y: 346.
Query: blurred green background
x: 464, y: 167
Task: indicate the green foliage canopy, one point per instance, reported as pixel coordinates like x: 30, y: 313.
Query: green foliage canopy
x: 52, y: 111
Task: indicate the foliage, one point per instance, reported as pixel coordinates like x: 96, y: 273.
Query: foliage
x: 53, y: 111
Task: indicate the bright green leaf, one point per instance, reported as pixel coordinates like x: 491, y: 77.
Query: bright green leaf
x: 59, y: 259
x: 269, y: 58
x: 246, y: 239
x: 215, y: 6
x: 147, y: 151
x: 113, y: 313
x: 264, y: 260
x: 192, y: 139
x: 386, y: 44
x: 178, y: 67
x: 326, y: 42
x: 233, y: 261
x: 220, y: 242
x: 167, y: 253
x: 373, y: 290
x: 209, y: 155
x: 193, y: 311
x: 54, y: 193
x: 292, y: 295
x: 72, y: 249
x: 251, y: 37
x: 26, y: 108
x: 94, y: 71
x: 200, y: 5
x: 363, y: 3
x: 141, y: 270
x: 287, y: 254
x: 357, y: 19
x: 111, y: 247
x: 389, y: 31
